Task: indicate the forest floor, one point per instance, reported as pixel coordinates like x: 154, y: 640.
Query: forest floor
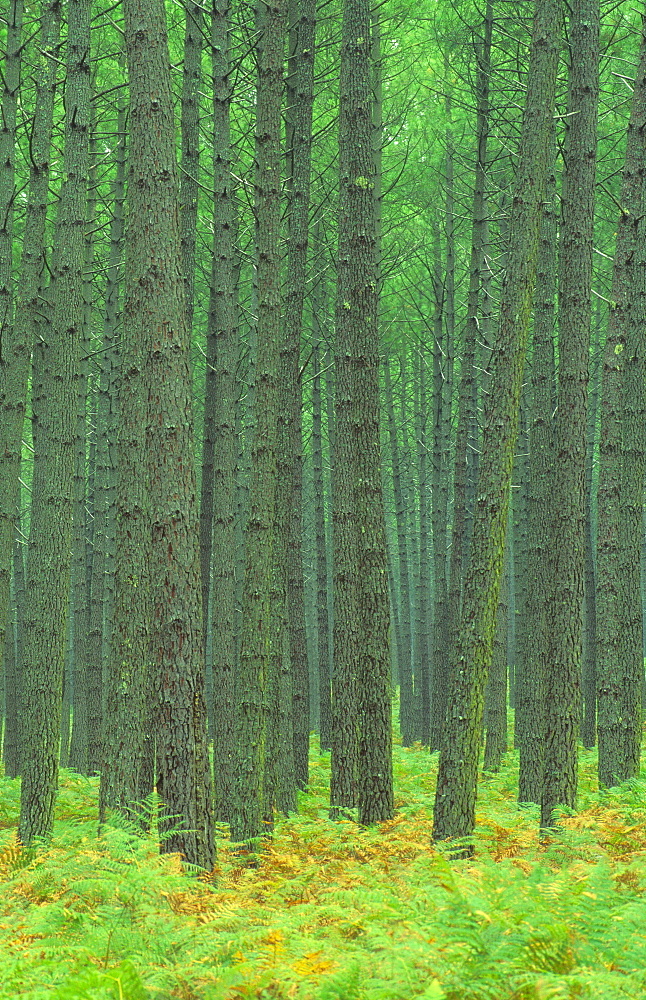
x: 334, y: 912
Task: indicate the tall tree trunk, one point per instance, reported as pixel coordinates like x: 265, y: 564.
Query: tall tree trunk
x: 19, y: 335
x: 190, y: 164
x: 223, y: 390
x: 442, y: 381
x: 495, y: 705
x: 454, y: 813
x: 530, y: 687
x: 424, y: 645
x: 322, y: 622
x: 589, y: 671
x: 128, y: 667
x: 155, y: 309
x: 13, y: 668
x: 79, y: 743
x: 8, y: 447
x: 405, y: 609
x: 631, y: 505
x: 466, y: 417
x: 300, y: 92
x: 567, y: 563
x: 404, y: 651
x: 621, y: 354
x: 362, y: 620
x: 255, y: 652
x: 518, y: 578
x: 51, y: 515
x: 100, y: 607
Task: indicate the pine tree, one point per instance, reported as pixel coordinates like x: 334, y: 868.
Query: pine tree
x: 454, y: 812
x: 361, y: 609
x: 566, y: 564
x: 155, y: 308
x: 250, y: 806
x: 618, y: 681
x: 54, y: 409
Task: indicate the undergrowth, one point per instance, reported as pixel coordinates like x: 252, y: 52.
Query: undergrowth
x: 334, y: 912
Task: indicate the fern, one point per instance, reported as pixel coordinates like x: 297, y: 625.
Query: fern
x: 119, y: 983
x: 332, y: 912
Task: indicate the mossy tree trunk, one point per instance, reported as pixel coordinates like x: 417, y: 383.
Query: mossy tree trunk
x: 20, y: 333
x: 454, y: 811
x: 155, y: 308
x: 617, y: 674
x: 99, y: 637
x: 190, y: 162
x: 9, y: 445
x: 220, y: 446
x: 567, y: 544
x: 361, y: 611
x: 299, y: 95
x: 55, y: 416
x: 322, y: 621
x: 249, y: 808
x: 530, y: 687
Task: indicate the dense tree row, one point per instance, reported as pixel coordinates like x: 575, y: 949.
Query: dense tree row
x: 322, y: 385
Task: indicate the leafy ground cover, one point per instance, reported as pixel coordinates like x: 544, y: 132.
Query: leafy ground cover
x: 334, y: 912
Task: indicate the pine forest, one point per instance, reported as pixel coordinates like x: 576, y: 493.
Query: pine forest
x: 322, y: 478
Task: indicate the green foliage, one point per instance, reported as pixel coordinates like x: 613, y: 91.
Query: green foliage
x: 121, y: 983
x: 333, y: 911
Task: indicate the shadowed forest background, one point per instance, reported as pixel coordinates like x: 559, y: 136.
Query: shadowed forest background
x: 323, y: 417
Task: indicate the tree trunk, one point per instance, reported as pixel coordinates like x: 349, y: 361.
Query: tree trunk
x: 530, y: 687
x: 611, y: 724
x: 257, y: 630
x: 589, y: 671
x: 51, y: 515
x: 404, y: 651
x: 495, y: 704
x: 8, y: 445
x: 19, y: 335
x: 322, y: 622
x: 362, y: 620
x: 424, y: 645
x: 156, y: 311
x: 100, y: 611
x: 442, y: 381
x: 79, y: 743
x: 190, y: 165
x: 459, y: 554
x: 128, y: 667
x: 454, y: 814
x: 13, y: 668
x: 300, y: 89
x: 220, y: 429
x: 567, y: 563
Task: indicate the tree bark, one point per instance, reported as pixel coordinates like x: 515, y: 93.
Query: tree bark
x: 220, y: 429
x: 51, y: 515
x: 404, y: 648
x: 566, y: 563
x: 8, y: 445
x: 190, y: 164
x: 300, y: 95
x: 362, y: 618
x: 530, y: 687
x: 155, y: 311
x: 454, y: 813
x: 257, y: 630
x: 616, y: 705
x: 318, y: 482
